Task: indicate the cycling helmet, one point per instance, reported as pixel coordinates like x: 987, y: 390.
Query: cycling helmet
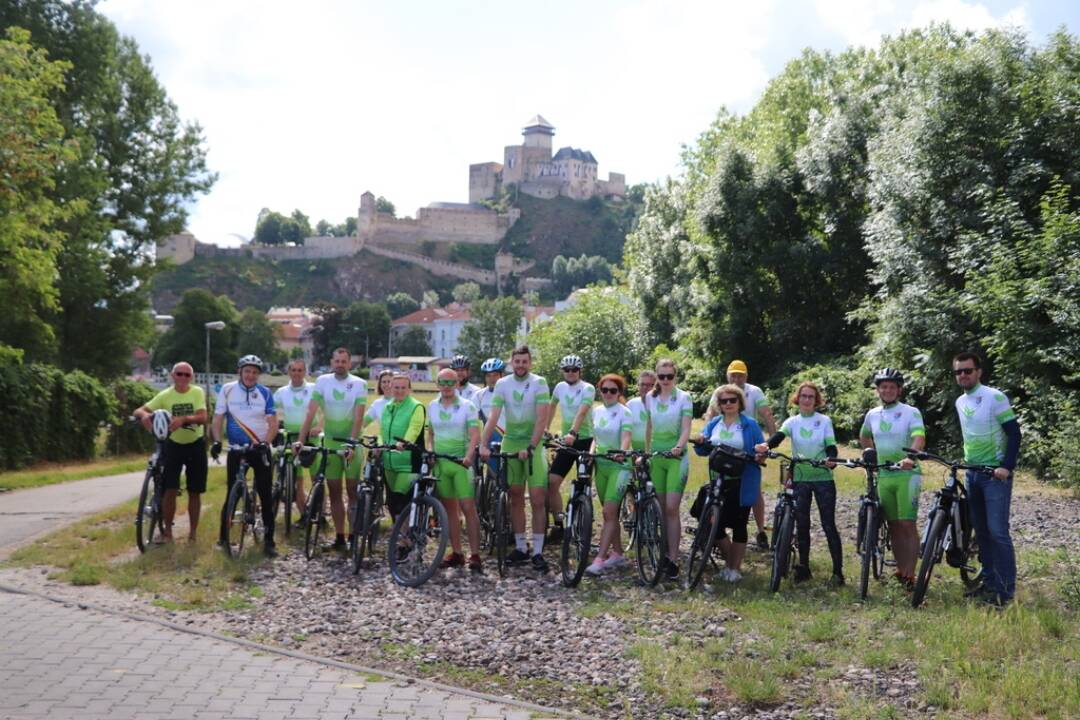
x: 159, y: 424
x: 493, y: 365
x: 459, y: 361
x: 249, y: 360
x: 888, y: 374
x: 571, y: 361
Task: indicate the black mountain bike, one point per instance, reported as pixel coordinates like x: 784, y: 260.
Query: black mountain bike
x: 242, y: 515
x: 872, y: 542
x: 284, y: 491
x: 413, y: 559
x: 502, y: 530
x: 948, y: 533
x: 148, y: 518
x: 783, y: 548
x: 367, y: 506
x: 315, y: 510
x: 484, y: 486
x: 649, y: 530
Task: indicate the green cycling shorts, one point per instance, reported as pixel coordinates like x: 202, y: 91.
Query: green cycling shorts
x: 335, y: 468
x: 532, y: 473
x: 454, y: 481
x: 669, y: 475
x: 399, y: 481
x: 899, y: 494
x: 611, y: 481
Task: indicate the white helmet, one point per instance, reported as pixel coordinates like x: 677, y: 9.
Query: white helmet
x: 160, y: 424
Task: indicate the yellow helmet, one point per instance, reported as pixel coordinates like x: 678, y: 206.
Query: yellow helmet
x: 737, y: 366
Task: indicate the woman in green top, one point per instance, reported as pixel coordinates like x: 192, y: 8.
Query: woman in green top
x: 403, y: 417
x: 612, y: 429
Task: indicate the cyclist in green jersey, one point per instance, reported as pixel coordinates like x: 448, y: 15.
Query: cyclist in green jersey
x: 670, y: 413
x: 639, y: 416
x: 454, y: 429
x: 291, y: 403
x: 403, y: 419
x: 382, y: 383
x: 526, y: 401
x: 612, y: 428
x: 889, y: 428
x: 575, y: 396
x: 341, y: 397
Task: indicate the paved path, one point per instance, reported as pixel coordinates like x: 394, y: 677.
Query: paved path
x: 27, y: 514
x: 60, y: 661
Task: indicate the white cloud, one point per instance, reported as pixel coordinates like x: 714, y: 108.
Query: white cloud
x: 967, y: 16
x: 858, y: 22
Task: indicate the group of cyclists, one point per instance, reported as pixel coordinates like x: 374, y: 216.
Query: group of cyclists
x: 515, y: 408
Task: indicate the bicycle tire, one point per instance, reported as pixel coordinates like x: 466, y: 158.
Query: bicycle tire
x: 782, y: 553
x: 361, y: 530
x: 314, y: 520
x: 701, y: 549
x: 503, y: 531
x: 931, y: 553
x: 288, y: 498
x: 146, y: 516
x: 651, y: 541
x: 628, y: 518
x: 577, y: 541
x: 971, y: 576
x: 880, y: 544
x: 235, y: 525
x: 417, y: 566
x: 867, y: 548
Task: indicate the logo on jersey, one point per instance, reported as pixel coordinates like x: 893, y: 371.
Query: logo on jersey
x: 602, y: 422
x: 338, y: 394
x: 726, y: 434
x: 806, y: 433
x: 518, y: 396
x: 643, y: 416
x: 445, y: 416
x: 969, y: 412
x: 661, y: 407
x: 297, y: 401
x: 885, y: 425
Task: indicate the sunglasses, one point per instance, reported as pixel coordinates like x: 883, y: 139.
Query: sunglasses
x: 610, y: 390
x: 181, y: 374
x: 665, y: 376
x: 448, y: 383
x: 729, y: 401
x: 963, y: 371
x: 571, y: 370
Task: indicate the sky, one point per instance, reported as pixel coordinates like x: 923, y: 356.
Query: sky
x: 308, y: 105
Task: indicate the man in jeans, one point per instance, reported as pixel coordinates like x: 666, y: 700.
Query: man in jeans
x: 992, y: 438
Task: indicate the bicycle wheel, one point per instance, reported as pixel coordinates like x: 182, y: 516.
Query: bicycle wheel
x: 361, y: 527
x: 931, y: 554
x: 881, y: 544
x: 628, y: 517
x: 970, y: 571
x: 704, y: 539
x: 417, y: 546
x: 867, y: 547
x: 314, y: 519
x: 576, y: 542
x: 782, y: 554
x: 502, y: 531
x: 147, y: 515
x: 651, y: 540
x: 235, y: 525
x: 288, y: 497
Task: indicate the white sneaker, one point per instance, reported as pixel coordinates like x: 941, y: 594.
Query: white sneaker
x: 732, y: 576
x: 596, y: 568
x: 724, y: 574
x: 615, y: 560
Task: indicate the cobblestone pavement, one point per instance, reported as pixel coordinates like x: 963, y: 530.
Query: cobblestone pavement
x: 63, y: 661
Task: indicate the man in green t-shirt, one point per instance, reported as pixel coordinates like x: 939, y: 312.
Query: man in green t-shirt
x: 185, y: 449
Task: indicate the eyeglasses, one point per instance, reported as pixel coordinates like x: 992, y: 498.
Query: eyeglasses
x: 665, y: 376
x: 610, y: 390
x: 182, y: 374
x: 729, y: 401
x: 571, y: 369
x: 448, y: 383
x: 963, y: 371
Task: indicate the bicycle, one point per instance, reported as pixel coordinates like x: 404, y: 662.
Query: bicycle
x: 650, y: 531
x: 284, y: 490
x: 242, y: 513
x: 872, y: 543
x: 315, y: 510
x: 708, y: 528
x: 948, y: 532
x: 367, y: 507
x: 148, y: 515
x: 423, y: 518
x: 783, y: 547
x: 502, y: 531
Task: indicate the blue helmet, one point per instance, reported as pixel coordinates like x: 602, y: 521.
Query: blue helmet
x: 493, y: 365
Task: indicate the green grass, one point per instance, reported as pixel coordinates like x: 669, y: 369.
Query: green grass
x: 53, y: 473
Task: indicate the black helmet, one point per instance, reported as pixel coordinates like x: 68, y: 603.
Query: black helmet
x: 888, y: 374
x: 458, y: 362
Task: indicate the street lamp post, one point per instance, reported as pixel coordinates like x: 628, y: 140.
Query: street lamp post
x: 212, y: 325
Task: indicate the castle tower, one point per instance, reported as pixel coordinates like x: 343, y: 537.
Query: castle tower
x: 365, y: 218
x: 538, y: 133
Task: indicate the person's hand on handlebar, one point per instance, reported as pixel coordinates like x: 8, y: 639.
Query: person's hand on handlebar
x: 830, y: 463
x: 907, y: 464
x: 762, y: 449
x: 676, y: 451
x: 523, y: 454
x: 485, y: 452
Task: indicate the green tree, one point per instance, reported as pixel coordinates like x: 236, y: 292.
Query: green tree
x: 385, y: 206
x: 273, y: 228
x: 186, y: 339
x: 413, y: 342
x: 256, y: 335
x: 466, y: 292
x: 491, y: 330
x: 31, y: 149
x: 430, y: 299
x: 364, y: 328
x: 400, y: 304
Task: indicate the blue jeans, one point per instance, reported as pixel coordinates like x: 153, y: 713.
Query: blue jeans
x: 989, y: 501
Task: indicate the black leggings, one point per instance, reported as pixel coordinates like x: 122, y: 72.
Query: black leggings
x: 824, y: 493
x: 263, y: 486
x: 734, y: 516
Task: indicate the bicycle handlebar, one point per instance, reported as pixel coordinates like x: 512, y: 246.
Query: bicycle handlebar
x: 923, y: 455
x: 801, y: 461
x: 555, y: 445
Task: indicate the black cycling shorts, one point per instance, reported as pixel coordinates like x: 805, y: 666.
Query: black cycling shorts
x: 564, y: 460
x: 190, y: 457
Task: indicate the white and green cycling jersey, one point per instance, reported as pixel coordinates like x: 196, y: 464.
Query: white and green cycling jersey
x: 753, y: 396
x: 520, y: 400
x: 570, y: 398
x: 666, y: 415
x: 639, y: 422
x: 338, y: 400
x: 450, y: 425
x: 470, y: 392
x: 292, y: 405
x: 374, y: 410
x: 609, y: 424
x: 982, y: 411
x: 810, y: 435
x: 892, y: 428
x: 728, y: 435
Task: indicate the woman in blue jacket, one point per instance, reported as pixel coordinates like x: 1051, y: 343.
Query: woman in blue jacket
x: 736, y: 430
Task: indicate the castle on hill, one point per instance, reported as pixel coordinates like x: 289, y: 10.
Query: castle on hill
x: 535, y: 171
